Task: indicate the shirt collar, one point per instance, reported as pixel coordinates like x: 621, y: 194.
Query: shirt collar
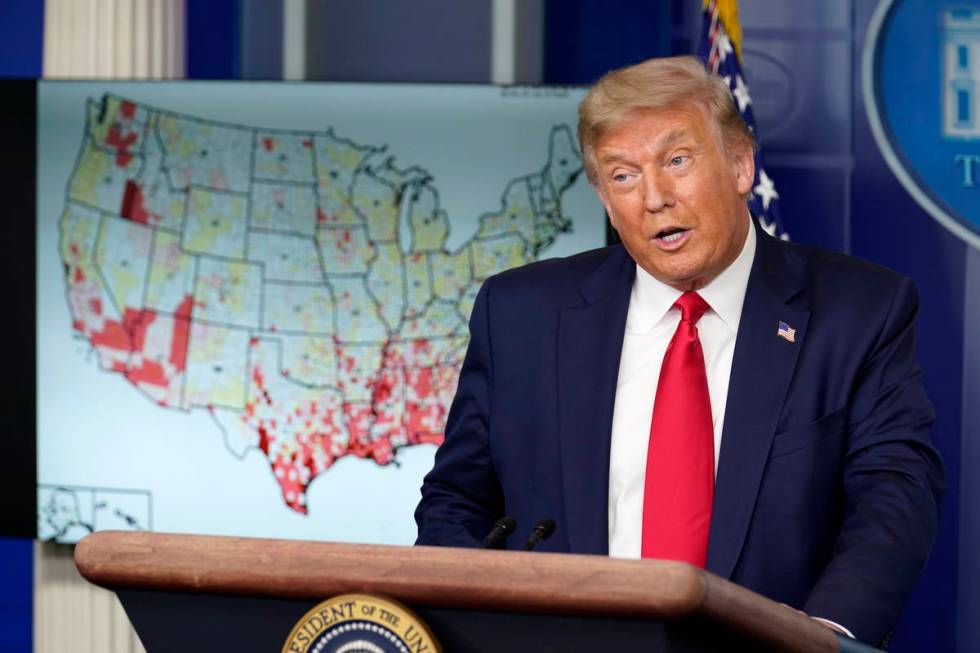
x: 652, y: 299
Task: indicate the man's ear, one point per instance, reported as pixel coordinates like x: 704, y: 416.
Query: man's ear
x: 743, y: 165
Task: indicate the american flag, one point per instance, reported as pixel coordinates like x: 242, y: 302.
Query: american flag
x: 786, y: 331
x: 721, y: 50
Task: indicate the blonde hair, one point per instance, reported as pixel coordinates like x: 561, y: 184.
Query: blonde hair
x: 658, y: 84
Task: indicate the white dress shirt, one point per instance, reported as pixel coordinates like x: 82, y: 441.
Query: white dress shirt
x: 650, y: 325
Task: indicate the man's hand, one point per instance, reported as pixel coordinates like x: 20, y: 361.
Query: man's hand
x: 834, y: 626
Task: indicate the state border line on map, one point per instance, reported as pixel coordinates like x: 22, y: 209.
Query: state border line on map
x: 317, y: 212
x: 286, y: 182
x: 323, y: 271
x: 222, y: 258
x: 389, y: 328
x: 164, y: 168
x: 149, y: 270
x: 307, y: 284
x: 105, y: 213
x: 282, y: 232
x: 247, y: 249
x: 272, y: 335
x: 110, y: 294
x: 217, y: 191
x: 251, y: 193
x: 294, y: 333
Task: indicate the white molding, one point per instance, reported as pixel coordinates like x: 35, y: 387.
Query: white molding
x: 49, y: 50
x: 71, y: 614
x: 141, y: 35
x: 294, y: 15
x: 122, y: 39
x: 504, y: 42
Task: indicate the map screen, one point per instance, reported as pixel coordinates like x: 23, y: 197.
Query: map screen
x: 253, y: 298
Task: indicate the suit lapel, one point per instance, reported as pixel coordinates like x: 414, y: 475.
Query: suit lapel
x: 762, y: 368
x: 590, y: 341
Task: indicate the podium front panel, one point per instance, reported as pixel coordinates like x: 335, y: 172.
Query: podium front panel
x: 192, y: 623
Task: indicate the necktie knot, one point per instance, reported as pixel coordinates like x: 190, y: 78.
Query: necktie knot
x: 692, y: 306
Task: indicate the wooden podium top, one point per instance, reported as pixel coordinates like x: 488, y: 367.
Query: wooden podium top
x: 505, y: 581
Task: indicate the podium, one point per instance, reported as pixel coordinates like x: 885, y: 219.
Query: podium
x: 203, y: 593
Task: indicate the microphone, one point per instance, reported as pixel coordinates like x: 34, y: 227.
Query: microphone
x: 542, y: 531
x: 504, y: 527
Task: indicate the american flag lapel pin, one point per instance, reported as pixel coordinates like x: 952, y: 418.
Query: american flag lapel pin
x: 786, y: 332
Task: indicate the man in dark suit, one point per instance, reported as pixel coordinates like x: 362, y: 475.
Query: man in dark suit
x: 703, y: 392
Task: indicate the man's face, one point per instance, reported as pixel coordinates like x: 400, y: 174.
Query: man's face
x: 674, y: 195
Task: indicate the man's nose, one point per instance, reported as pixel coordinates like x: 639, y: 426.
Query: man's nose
x: 658, y: 190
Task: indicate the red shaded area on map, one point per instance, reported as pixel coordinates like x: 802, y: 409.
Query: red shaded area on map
x: 406, y: 406
x: 121, y: 135
x: 147, y: 347
x: 132, y: 204
x: 155, y: 364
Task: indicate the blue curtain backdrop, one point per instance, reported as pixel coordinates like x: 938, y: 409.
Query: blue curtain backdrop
x: 21, y: 38
x: 16, y: 595
x: 802, y: 62
x: 214, y: 39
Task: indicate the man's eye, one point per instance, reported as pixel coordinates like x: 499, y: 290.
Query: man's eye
x: 677, y: 160
x: 622, y: 176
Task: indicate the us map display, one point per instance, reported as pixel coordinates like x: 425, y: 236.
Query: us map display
x: 303, y: 291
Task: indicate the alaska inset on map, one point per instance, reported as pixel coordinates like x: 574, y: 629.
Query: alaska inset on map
x: 294, y: 284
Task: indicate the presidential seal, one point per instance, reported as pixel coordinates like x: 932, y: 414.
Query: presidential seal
x: 360, y: 623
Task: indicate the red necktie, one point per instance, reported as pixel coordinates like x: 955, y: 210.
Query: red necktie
x: 680, y: 476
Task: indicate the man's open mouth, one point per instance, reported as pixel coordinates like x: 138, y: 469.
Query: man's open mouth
x: 671, y: 235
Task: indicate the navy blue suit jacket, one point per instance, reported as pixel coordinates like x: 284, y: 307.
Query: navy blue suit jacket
x: 827, y: 490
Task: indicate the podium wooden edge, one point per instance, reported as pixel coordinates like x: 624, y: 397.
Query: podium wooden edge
x: 504, y: 581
